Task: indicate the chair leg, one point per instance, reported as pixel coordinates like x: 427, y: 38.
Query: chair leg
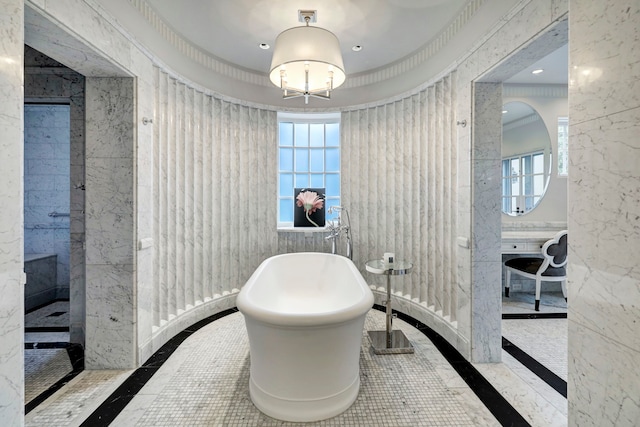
x: 538, y: 283
x: 507, y: 283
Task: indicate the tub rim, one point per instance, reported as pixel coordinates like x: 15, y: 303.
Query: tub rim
x: 331, y: 317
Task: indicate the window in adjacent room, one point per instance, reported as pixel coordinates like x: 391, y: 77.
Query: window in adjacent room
x: 308, y: 156
x: 523, y: 182
x: 563, y: 146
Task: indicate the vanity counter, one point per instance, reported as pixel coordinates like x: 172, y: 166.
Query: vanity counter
x: 524, y: 242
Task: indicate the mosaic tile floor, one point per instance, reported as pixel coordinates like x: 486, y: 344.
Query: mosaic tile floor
x: 43, y: 368
x: 205, y: 383
x: 396, y: 390
x: 543, y: 339
x: 77, y: 400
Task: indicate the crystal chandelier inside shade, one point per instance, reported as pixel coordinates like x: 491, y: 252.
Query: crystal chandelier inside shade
x: 307, y: 62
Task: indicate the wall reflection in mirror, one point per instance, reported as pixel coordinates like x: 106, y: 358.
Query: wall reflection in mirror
x: 526, y: 158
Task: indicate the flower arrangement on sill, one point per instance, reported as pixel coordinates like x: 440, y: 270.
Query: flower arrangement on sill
x: 310, y: 201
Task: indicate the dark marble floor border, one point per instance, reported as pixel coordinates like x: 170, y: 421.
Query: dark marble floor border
x: 116, y: 402
x: 76, y: 357
x: 546, y: 375
x: 490, y: 397
x: 557, y: 383
x: 47, y: 329
x: 534, y: 315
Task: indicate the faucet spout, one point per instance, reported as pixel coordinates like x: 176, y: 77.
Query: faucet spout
x: 337, y: 228
x: 332, y: 236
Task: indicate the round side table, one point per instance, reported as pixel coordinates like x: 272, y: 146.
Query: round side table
x: 389, y: 341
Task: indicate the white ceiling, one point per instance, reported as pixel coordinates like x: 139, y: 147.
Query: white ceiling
x: 555, y: 68
x: 405, y: 43
x: 387, y: 30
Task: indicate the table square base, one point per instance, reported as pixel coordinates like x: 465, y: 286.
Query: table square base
x: 400, y: 344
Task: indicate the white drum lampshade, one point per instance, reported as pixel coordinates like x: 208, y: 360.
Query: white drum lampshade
x: 307, y: 62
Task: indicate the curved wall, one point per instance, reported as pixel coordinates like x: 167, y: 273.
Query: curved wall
x: 206, y: 167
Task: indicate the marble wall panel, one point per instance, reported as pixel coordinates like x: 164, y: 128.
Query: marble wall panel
x: 110, y: 305
x: 109, y: 213
x: 605, y: 77
x: 559, y: 8
x: 145, y: 303
x: 603, y: 380
x: 604, y: 117
x: 12, y: 278
x: 516, y: 30
x: 77, y: 295
x: 486, y: 313
x: 464, y: 316
x: 486, y: 222
x: 57, y: 39
x: 606, y: 183
x: 144, y: 155
x: 111, y: 117
x: 77, y: 283
x: 12, y: 340
x: 110, y: 322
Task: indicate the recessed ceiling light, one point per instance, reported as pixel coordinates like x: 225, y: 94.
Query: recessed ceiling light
x: 356, y: 48
x: 264, y: 46
x: 504, y: 111
x: 538, y: 71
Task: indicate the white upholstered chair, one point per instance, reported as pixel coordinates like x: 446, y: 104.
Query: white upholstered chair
x: 551, y: 268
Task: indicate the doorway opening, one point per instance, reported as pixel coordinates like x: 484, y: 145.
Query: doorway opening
x: 53, y: 138
x: 540, y: 335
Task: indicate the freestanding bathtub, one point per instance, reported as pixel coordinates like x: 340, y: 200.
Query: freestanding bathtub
x: 304, y: 314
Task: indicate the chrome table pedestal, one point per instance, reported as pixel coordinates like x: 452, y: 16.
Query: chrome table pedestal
x: 389, y: 341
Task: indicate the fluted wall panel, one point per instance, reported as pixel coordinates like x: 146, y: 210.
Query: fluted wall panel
x: 214, y: 181
x: 399, y: 179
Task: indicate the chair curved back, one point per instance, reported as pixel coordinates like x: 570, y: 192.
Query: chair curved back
x: 555, y: 250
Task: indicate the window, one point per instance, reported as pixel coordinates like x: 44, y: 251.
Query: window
x: 523, y: 182
x: 309, y: 156
x: 563, y: 146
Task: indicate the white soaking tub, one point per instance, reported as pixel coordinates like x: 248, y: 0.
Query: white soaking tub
x: 304, y: 314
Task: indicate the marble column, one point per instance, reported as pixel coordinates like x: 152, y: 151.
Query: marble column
x: 486, y: 345
x: 109, y: 221
x: 12, y: 278
x: 604, y: 213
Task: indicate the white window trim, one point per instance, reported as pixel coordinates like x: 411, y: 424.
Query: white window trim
x: 563, y: 174
x: 522, y: 175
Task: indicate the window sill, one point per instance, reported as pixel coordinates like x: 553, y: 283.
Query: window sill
x: 306, y: 230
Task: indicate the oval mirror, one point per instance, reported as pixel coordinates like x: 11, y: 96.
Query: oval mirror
x: 526, y: 158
